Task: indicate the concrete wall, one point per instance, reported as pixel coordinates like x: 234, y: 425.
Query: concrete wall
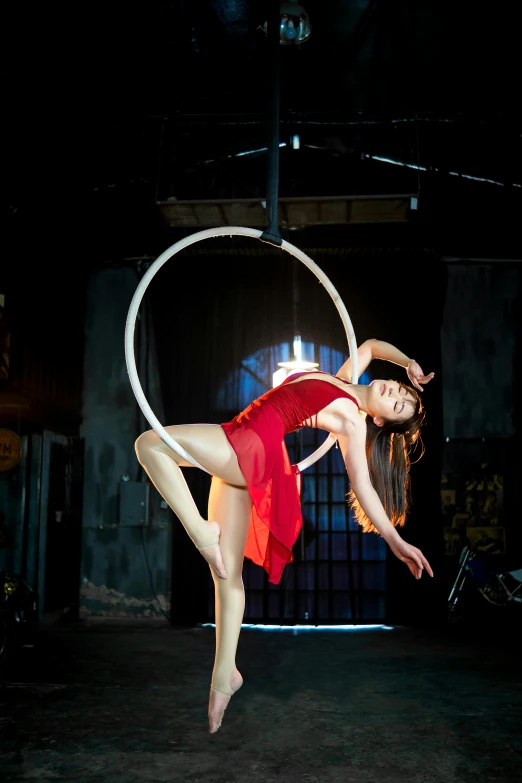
x: 125, y: 561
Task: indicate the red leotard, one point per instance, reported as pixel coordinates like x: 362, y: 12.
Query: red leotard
x: 257, y: 437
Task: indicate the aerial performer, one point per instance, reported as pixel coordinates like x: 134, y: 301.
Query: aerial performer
x: 254, y: 507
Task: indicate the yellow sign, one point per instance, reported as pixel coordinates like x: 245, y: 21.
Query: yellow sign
x: 10, y: 450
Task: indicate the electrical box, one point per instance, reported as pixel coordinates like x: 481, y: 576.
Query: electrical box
x: 134, y: 503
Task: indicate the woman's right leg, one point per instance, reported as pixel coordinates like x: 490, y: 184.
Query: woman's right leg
x: 230, y: 506
x: 209, y: 445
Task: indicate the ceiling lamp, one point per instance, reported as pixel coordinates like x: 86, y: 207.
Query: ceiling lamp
x: 294, y: 27
x: 297, y: 365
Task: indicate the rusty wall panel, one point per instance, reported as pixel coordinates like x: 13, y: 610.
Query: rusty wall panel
x: 125, y: 572
x: 478, y: 340
x: 120, y: 565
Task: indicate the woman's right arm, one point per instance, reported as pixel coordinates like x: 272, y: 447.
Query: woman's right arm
x: 378, y: 349
x: 352, y: 445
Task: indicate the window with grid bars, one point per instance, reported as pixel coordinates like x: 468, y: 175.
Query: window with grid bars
x: 338, y: 574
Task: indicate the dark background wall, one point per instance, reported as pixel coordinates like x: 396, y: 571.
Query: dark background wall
x: 236, y: 298
x: 480, y: 334
x: 126, y: 532
x: 243, y: 302
x: 161, y: 102
x: 480, y: 342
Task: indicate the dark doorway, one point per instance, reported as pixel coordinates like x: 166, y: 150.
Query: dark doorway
x: 60, y: 525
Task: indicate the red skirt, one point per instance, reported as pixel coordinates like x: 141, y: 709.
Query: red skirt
x: 257, y: 437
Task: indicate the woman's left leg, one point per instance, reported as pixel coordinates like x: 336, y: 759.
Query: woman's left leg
x: 230, y: 506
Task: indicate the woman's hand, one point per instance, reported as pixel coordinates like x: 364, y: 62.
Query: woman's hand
x: 410, y: 555
x: 416, y: 375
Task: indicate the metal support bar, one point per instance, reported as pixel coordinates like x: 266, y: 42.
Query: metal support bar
x: 272, y: 235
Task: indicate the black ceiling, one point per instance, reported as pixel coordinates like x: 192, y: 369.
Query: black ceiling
x: 112, y: 105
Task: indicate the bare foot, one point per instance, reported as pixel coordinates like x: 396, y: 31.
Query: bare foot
x: 212, y: 552
x: 218, y: 702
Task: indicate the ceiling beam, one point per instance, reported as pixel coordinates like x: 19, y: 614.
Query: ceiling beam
x: 294, y: 213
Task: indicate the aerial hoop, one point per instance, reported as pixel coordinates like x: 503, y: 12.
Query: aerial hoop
x: 138, y: 296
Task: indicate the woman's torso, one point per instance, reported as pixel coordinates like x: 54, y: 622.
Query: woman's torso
x: 298, y: 400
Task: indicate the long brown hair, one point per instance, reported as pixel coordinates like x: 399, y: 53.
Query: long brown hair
x: 388, y: 450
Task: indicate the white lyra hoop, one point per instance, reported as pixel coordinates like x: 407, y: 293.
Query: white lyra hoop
x: 138, y: 296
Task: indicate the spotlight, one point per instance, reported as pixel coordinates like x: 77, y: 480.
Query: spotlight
x: 294, y: 27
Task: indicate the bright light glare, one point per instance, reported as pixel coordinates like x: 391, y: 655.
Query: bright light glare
x: 240, y: 154
x: 434, y: 168
x: 310, y: 628
x: 297, y: 347
x: 252, y: 152
x: 397, y: 162
x: 289, y: 368
x: 278, y: 377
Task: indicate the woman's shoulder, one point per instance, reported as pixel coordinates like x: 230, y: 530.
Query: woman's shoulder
x: 352, y: 413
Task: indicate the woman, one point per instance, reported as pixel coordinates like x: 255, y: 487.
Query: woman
x: 254, y: 505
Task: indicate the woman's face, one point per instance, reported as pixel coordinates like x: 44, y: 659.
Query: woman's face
x: 389, y: 401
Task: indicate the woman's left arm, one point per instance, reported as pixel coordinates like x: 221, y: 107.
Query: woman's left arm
x: 352, y: 445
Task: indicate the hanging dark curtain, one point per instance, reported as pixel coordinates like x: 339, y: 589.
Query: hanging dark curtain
x: 220, y: 301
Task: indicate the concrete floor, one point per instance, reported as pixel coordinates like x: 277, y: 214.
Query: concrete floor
x: 123, y: 703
